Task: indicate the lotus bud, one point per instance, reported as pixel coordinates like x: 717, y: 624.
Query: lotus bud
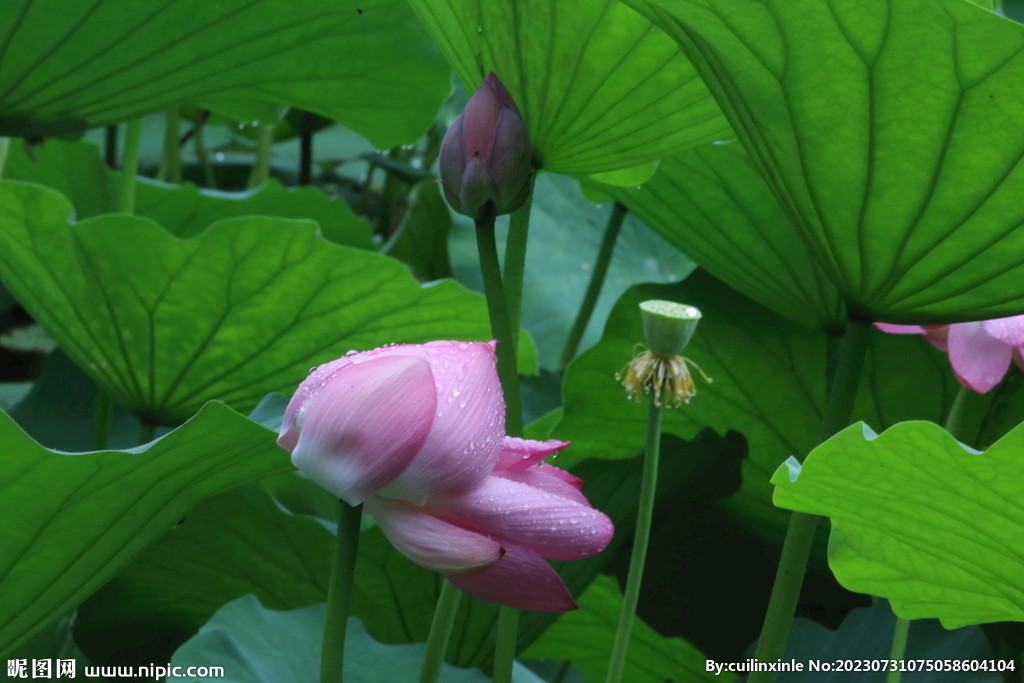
x: 485, y: 156
x: 407, y: 421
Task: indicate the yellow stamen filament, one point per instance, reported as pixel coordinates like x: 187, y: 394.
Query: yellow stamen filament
x: 647, y: 371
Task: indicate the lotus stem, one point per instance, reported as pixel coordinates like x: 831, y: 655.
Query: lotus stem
x: 637, y: 559
x: 597, y: 276
x: 497, y: 309
x: 515, y: 261
x: 508, y: 373
x: 101, y: 420
x: 440, y: 632
x: 5, y: 144
x: 264, y: 142
x: 332, y: 653
x: 125, y: 201
x: 800, y: 534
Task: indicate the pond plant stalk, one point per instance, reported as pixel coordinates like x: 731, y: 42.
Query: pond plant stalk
x: 515, y: 260
x: 661, y: 373
x: 901, y: 631
x: 796, y: 549
x: 597, y: 276
x: 440, y: 632
x: 264, y: 144
x: 339, y: 593
x: 124, y: 202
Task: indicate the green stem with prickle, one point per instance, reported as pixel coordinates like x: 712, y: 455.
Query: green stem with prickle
x: 101, y: 419
x: 147, y: 432
x: 170, y: 166
x: 110, y: 145
x: 800, y: 534
x: 645, y: 512
x: 5, y: 144
x: 515, y: 262
x: 125, y: 199
x: 440, y: 632
x: 899, y: 648
x: 199, y: 122
x: 604, y: 258
x: 900, y: 633
x: 505, y: 644
x: 264, y: 142
x: 339, y: 592
x: 497, y: 308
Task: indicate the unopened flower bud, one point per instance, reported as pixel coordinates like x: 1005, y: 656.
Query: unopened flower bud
x: 485, y: 156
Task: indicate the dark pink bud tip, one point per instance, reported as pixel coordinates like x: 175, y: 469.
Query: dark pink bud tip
x: 485, y: 156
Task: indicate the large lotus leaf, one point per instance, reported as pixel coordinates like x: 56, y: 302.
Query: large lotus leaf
x: 76, y: 170
x: 919, y: 519
x: 585, y: 638
x: 769, y: 384
x: 236, y: 543
x: 71, y: 66
x: 244, y: 309
x: 73, y: 521
x: 712, y: 204
x: 257, y: 645
x: 891, y: 132
x: 599, y: 87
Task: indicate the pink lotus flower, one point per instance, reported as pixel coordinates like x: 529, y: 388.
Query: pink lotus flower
x: 408, y: 421
x: 980, y: 352
x: 491, y: 540
x: 485, y: 156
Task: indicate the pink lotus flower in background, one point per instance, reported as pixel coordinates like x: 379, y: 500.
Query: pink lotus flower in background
x: 980, y: 352
x: 491, y: 540
x: 485, y: 156
x: 408, y: 421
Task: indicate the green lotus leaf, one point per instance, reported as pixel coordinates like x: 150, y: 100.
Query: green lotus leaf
x: 80, y: 518
x: 72, y: 66
x: 585, y: 638
x: 76, y: 170
x: 233, y: 544
x: 243, y: 309
x: 920, y: 519
x: 599, y: 87
x: 892, y: 133
x: 255, y: 644
x: 712, y: 204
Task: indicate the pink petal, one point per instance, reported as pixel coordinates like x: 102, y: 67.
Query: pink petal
x: 500, y: 92
x: 567, y: 477
x: 938, y: 335
x: 365, y: 425
x: 431, y: 542
x: 543, y: 478
x: 520, y: 579
x: 1009, y: 330
x: 900, y: 329
x: 468, y: 428
x: 979, y: 361
x: 519, y: 454
x: 480, y: 121
x: 557, y: 527
x: 451, y: 157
